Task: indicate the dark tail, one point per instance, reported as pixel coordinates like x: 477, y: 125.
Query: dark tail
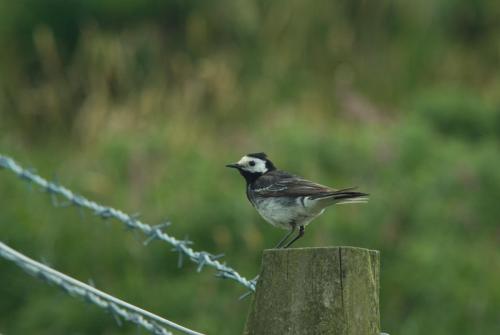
x: 345, y: 196
x: 348, y: 194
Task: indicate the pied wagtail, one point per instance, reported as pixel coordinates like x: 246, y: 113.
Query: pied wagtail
x: 285, y: 200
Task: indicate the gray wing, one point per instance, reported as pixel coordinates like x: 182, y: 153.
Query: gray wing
x: 287, y: 185
x: 283, y: 184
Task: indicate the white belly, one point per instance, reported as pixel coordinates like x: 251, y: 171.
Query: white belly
x: 286, y: 212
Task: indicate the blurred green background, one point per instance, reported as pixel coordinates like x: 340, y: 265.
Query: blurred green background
x: 139, y: 104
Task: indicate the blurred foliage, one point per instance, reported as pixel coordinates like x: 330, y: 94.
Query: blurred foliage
x: 139, y: 104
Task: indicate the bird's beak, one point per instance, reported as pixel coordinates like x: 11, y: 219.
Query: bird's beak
x: 234, y: 166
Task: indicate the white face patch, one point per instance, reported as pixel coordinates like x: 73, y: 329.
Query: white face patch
x: 252, y: 164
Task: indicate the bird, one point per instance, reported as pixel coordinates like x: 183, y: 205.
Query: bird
x: 286, y: 200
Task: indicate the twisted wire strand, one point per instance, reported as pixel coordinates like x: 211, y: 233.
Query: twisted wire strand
x: 202, y: 258
x: 119, y: 308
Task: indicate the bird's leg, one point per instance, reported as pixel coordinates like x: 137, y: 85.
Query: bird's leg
x: 284, y: 239
x: 299, y: 235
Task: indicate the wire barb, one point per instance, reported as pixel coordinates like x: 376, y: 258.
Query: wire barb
x: 130, y: 221
x: 156, y: 231
x: 120, y: 309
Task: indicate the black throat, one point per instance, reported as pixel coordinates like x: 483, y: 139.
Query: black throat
x: 250, y: 177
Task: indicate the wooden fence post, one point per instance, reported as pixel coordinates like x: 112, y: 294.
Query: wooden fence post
x: 314, y: 291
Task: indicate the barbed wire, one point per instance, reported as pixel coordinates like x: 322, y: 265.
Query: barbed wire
x: 118, y: 308
x: 202, y: 258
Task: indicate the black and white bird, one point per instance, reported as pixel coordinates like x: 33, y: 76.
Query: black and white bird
x: 285, y: 200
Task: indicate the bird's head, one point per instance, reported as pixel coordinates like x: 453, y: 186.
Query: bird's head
x: 252, y: 166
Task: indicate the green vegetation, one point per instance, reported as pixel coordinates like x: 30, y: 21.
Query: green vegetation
x: 140, y: 104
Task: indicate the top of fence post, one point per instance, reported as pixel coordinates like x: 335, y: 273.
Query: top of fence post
x: 332, y: 291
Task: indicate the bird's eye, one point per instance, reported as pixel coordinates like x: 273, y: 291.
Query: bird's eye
x: 251, y: 163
